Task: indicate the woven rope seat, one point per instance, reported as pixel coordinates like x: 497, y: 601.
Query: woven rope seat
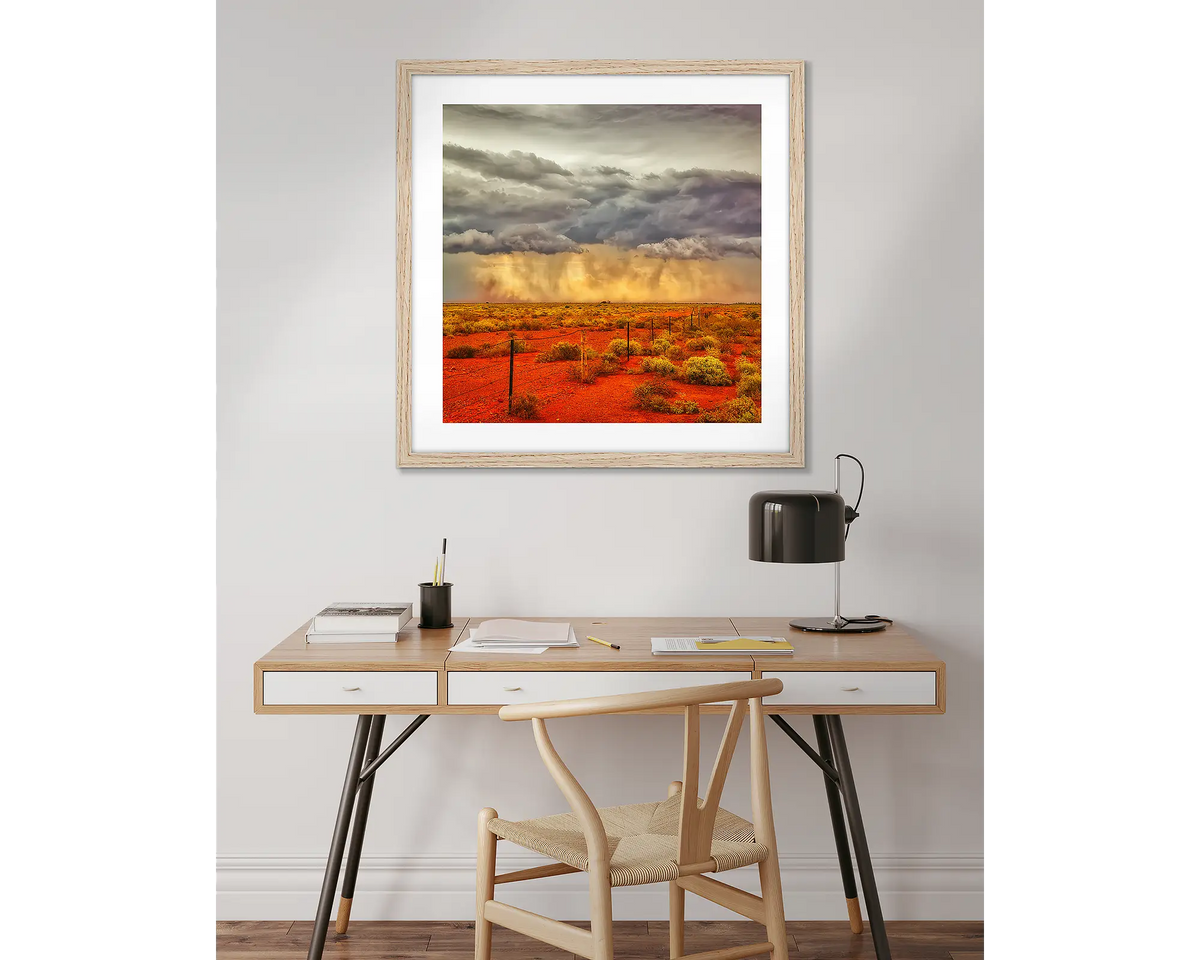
x: 643, y: 840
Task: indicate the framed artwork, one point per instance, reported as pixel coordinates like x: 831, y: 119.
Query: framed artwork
x: 600, y: 263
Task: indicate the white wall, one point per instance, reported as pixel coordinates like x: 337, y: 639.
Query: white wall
x: 311, y: 508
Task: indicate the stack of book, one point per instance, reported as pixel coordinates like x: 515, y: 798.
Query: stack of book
x: 359, y: 623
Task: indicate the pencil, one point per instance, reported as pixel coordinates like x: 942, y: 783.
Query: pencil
x: 605, y: 642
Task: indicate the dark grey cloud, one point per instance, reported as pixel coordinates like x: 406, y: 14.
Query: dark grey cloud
x: 673, y: 203
x: 587, y: 117
x: 634, y: 138
x: 701, y: 248
x: 603, y: 174
x: 595, y: 206
x: 475, y: 205
x: 522, y: 238
x: 514, y: 165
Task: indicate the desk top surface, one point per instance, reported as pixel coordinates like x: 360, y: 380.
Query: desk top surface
x: 892, y: 649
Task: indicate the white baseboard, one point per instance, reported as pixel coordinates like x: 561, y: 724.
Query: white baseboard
x: 914, y: 887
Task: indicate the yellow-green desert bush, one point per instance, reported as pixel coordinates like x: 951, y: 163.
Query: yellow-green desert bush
x: 656, y: 396
x: 618, y: 347
x: 563, y: 350
x: 526, y: 406
x: 501, y: 348
x: 463, y: 351
x: 750, y: 386
x: 706, y: 370
x: 653, y: 395
x: 659, y: 365
x: 701, y: 343
x: 737, y: 410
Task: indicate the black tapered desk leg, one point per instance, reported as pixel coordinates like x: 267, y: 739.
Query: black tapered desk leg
x: 839, y: 829
x: 361, y: 811
x: 858, y: 836
x: 341, y: 827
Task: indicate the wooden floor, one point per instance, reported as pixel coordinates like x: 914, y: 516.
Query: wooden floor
x: 634, y: 940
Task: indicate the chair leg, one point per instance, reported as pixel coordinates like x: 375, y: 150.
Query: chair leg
x: 676, y: 920
x: 600, y: 898
x: 772, y: 897
x: 485, y: 884
x: 676, y: 896
x: 764, y: 832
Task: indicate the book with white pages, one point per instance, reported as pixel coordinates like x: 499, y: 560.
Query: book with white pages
x: 389, y: 637
x: 510, y: 632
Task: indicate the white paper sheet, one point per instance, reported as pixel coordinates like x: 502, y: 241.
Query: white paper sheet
x: 527, y: 631
x: 470, y: 646
x: 517, y: 645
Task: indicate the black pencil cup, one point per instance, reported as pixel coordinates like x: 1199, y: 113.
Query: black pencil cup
x: 435, y: 605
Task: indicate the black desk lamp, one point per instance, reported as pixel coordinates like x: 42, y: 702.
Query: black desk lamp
x: 807, y: 526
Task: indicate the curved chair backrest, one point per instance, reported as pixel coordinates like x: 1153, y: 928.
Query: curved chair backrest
x: 697, y: 815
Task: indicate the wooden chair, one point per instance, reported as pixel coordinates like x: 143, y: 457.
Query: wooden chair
x: 677, y: 840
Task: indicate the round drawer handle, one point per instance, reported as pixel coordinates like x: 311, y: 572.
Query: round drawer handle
x: 351, y: 689
x: 850, y: 689
x: 511, y: 689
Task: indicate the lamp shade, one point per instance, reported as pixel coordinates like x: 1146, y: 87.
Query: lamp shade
x: 797, y: 526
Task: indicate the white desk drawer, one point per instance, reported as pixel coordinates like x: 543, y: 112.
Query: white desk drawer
x: 349, y: 687
x: 842, y: 688
x: 534, y: 686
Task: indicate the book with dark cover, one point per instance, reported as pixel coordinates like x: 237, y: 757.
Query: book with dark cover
x: 362, y: 618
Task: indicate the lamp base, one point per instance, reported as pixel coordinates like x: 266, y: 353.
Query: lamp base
x: 827, y: 625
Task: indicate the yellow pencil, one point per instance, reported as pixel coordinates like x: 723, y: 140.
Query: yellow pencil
x: 605, y: 642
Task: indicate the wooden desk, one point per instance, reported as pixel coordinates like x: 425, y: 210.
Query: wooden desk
x: 872, y: 673
x: 884, y: 673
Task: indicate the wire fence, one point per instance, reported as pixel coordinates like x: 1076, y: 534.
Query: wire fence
x: 562, y: 334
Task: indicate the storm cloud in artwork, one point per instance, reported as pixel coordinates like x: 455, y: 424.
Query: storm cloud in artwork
x: 602, y: 202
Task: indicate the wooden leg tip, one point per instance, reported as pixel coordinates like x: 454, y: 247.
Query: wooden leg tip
x: 343, y: 917
x: 855, y: 913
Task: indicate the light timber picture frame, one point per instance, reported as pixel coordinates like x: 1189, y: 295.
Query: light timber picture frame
x: 600, y: 263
